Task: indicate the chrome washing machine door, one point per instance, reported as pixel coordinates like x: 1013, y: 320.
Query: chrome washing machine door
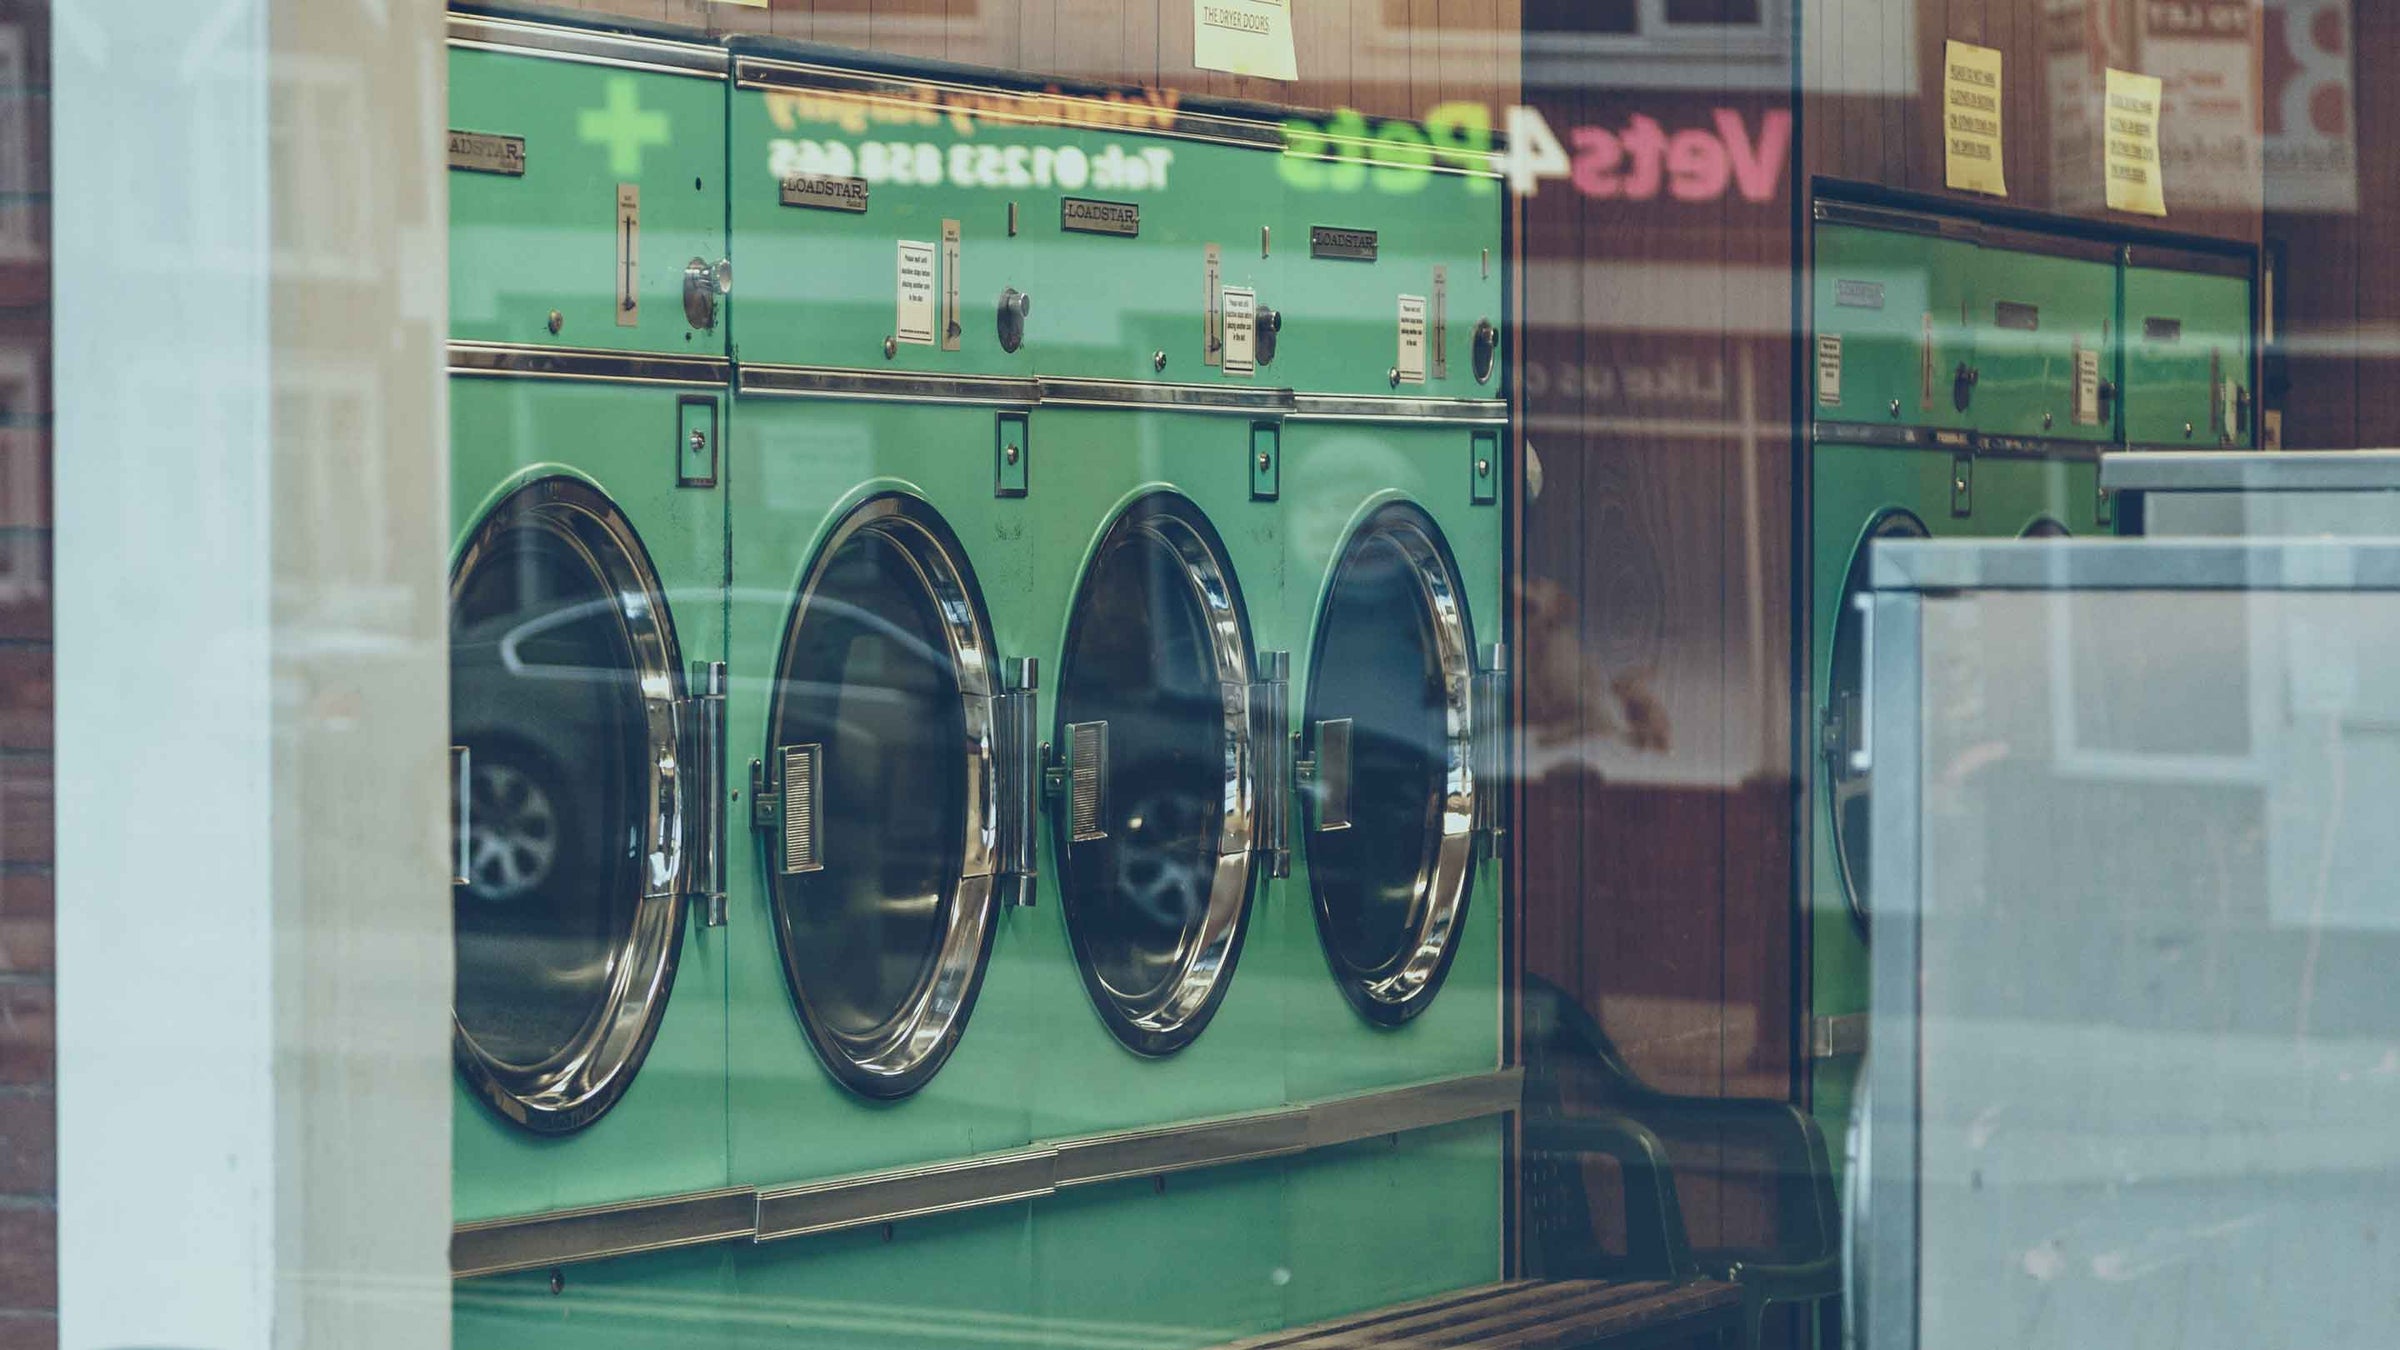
x: 1157, y: 818
x: 882, y: 742
x: 1388, y: 742
x: 1849, y: 777
x: 565, y: 685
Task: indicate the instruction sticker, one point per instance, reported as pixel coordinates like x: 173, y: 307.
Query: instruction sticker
x: 2087, y: 386
x: 915, y: 322
x: 1972, y: 160
x: 1241, y: 331
x: 1829, y: 369
x: 2134, y: 182
x: 1412, y: 339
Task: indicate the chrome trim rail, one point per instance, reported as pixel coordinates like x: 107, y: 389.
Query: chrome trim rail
x: 499, y: 1245
x: 488, y: 32
x: 509, y: 360
x: 1384, y: 408
x: 764, y: 1214
x: 892, y: 386
x: 1096, y: 393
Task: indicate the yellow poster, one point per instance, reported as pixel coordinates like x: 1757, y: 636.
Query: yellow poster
x: 1971, y: 156
x: 1244, y: 37
x: 2131, y: 155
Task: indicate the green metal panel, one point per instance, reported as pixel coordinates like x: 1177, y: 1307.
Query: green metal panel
x: 634, y: 1303
x: 1194, y: 1259
x: 523, y: 247
x: 1394, y: 1218
x: 2187, y: 352
x: 798, y: 467
x: 948, y: 1282
x: 1854, y: 487
x: 667, y: 1134
x: 1093, y: 463
x: 1342, y: 315
x: 820, y: 287
x: 2034, y: 318
x: 1335, y: 475
x: 1890, y: 314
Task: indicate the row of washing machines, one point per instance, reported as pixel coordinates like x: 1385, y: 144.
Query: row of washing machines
x: 976, y: 666
x: 1966, y: 376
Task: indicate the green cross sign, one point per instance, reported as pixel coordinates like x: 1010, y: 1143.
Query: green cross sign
x: 622, y: 126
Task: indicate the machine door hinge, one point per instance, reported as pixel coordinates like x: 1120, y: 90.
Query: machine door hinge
x: 462, y: 806
x: 1017, y: 744
x: 703, y: 736
x: 1488, y: 744
x: 1271, y: 737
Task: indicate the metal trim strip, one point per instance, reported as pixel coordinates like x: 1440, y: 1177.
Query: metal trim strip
x: 1183, y: 1148
x: 2134, y: 565
x: 1387, y: 408
x: 1097, y: 393
x: 887, y: 1197
x: 1447, y: 1101
x: 1891, y: 434
x: 2164, y: 258
x: 484, y: 32
x: 845, y: 382
x: 518, y: 361
x: 497, y: 1246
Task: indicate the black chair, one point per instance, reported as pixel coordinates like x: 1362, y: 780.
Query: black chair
x: 1581, y: 1099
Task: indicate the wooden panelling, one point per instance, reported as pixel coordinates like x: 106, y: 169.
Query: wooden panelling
x: 1388, y: 58
x: 1874, y: 78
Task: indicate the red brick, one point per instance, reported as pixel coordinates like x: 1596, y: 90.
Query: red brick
x: 28, y: 1143
x: 28, y: 1035
x: 28, y: 1257
x: 26, y: 699
x: 38, y: 1331
x: 28, y: 932
x: 26, y: 834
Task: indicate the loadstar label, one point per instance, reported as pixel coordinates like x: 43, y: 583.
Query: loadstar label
x: 1083, y: 215
x: 1858, y: 294
x: 478, y: 152
x: 825, y: 192
x: 1326, y: 241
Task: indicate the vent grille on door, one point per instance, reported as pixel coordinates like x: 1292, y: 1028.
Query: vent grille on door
x: 1087, y: 781
x: 801, y: 769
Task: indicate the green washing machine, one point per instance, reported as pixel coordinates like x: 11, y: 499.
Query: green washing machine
x: 1963, y: 388
x: 587, y: 640
x: 2189, y: 358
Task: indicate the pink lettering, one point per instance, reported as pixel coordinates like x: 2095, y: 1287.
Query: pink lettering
x: 1696, y: 168
x: 1756, y: 168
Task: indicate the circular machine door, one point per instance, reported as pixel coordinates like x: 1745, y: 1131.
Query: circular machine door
x: 1392, y: 803
x: 1849, y: 788
x: 564, y: 676
x: 882, y: 737
x: 1155, y: 827
x: 2043, y: 527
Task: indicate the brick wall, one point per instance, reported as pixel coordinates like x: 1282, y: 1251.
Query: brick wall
x: 28, y: 1069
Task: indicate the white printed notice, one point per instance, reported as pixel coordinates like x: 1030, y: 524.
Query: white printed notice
x: 1829, y: 369
x: 1244, y: 37
x: 1412, y: 339
x: 1241, y: 331
x: 915, y: 323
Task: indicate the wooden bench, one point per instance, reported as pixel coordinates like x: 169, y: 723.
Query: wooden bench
x: 1535, y: 1315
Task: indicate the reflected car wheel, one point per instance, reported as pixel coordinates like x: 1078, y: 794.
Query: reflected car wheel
x: 513, y: 831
